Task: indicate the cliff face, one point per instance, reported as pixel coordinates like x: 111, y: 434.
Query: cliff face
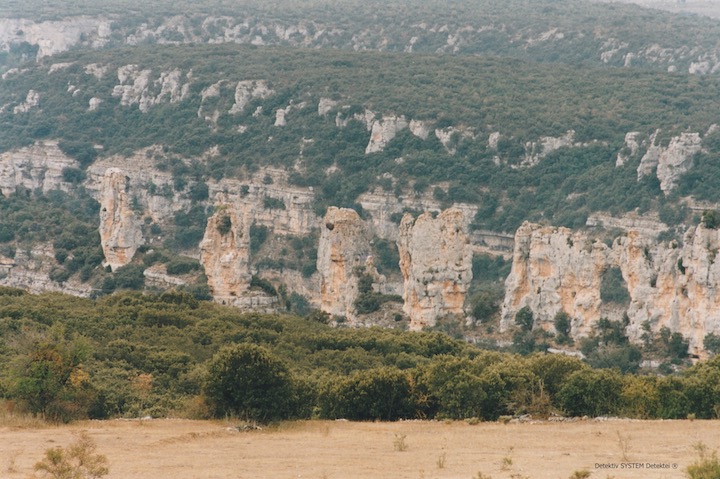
x: 120, y: 228
x: 669, y: 286
x: 225, y: 254
x: 555, y: 270
x: 38, y: 167
x: 343, y: 250
x: 436, y: 264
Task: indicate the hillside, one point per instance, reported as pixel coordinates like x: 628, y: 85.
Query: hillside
x: 572, y: 32
x: 387, y: 172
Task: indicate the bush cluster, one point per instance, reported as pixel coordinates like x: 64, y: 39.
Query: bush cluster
x: 130, y: 354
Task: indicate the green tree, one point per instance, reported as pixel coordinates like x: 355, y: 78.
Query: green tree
x: 524, y: 318
x: 374, y: 394
x: 591, y: 392
x: 50, y: 380
x: 249, y: 381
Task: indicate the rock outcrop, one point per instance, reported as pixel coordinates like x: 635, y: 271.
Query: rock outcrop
x: 343, y: 254
x: 670, y: 162
x: 630, y: 148
x: 136, y: 87
x: 37, y: 167
x: 225, y: 254
x: 120, y: 228
x: 31, y: 268
x: 247, y: 90
x: 384, y: 130
x: 32, y: 100
x: 537, y: 150
x: 436, y: 264
x: 555, y: 269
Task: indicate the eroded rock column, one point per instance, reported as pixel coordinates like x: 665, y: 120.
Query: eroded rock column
x: 225, y: 254
x: 436, y: 264
x: 343, y: 253
x: 120, y: 228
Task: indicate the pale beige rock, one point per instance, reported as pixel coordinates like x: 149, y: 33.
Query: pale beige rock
x: 384, y: 130
x: 671, y: 162
x: 32, y: 100
x: 677, y: 159
x: 325, y: 105
x: 436, y: 264
x: 225, y: 254
x: 36, y: 167
x: 630, y: 148
x: 246, y: 90
x: 555, y: 269
x: 343, y: 252
x: 537, y: 150
x: 135, y: 87
x: 120, y: 228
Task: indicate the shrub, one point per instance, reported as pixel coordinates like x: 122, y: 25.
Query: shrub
x: 706, y: 467
x: 524, y: 319
x: 374, y: 394
x: 224, y: 224
x: 613, y: 288
x: 182, y: 265
x: 591, y: 392
x: 78, y: 461
x: 130, y: 276
x: 247, y: 380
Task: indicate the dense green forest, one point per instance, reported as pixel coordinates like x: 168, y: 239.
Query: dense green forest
x: 132, y: 354
x: 475, y: 95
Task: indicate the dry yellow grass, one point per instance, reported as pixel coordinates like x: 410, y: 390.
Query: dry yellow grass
x: 183, y: 449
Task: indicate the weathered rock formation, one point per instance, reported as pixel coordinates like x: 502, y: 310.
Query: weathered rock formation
x: 225, y: 254
x: 120, y: 228
x: 343, y: 254
x: 630, y: 148
x: 246, y: 90
x: 37, y: 167
x: 436, y: 264
x: 537, y: 150
x: 555, y: 269
x: 670, y: 162
x: 136, y: 86
x: 30, y: 269
x: 383, y: 131
x: 32, y: 100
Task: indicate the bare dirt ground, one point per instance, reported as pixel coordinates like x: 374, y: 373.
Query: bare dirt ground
x: 183, y: 449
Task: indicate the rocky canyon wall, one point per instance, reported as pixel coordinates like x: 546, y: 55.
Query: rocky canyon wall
x: 670, y: 284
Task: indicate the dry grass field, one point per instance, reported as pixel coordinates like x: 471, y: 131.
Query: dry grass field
x: 184, y: 449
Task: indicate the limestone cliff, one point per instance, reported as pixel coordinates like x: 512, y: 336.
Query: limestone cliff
x: 555, y: 269
x: 225, y: 254
x: 120, y: 228
x: 436, y: 264
x: 343, y: 252
x: 37, y: 167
